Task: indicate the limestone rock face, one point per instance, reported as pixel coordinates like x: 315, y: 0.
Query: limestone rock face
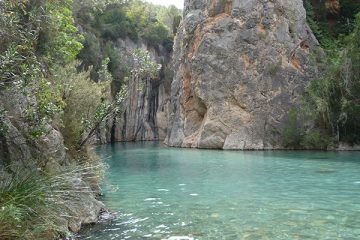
x: 18, y: 151
x: 145, y: 113
x: 240, y: 65
x: 20, y: 154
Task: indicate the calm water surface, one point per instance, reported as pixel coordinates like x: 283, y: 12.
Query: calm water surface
x: 159, y: 192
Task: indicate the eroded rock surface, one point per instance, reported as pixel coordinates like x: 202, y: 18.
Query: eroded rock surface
x: 21, y: 154
x: 240, y: 65
x: 145, y: 114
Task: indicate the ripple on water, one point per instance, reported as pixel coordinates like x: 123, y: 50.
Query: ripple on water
x: 162, y: 190
x: 151, y: 199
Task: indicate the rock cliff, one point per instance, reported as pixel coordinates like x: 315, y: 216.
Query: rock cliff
x: 145, y: 113
x: 21, y: 154
x: 240, y: 65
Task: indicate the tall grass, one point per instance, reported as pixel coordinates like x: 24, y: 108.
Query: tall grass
x: 36, y: 205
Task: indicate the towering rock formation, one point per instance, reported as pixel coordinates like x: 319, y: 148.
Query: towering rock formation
x: 240, y: 65
x: 145, y: 113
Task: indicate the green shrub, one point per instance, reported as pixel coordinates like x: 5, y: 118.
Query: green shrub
x: 334, y: 97
x: 291, y: 133
x: 83, y: 99
x: 62, y: 42
x: 35, y: 205
x: 168, y: 44
x: 144, y: 66
x: 114, y: 23
x: 30, y: 207
x: 316, y: 140
x: 155, y: 34
x: 91, y: 54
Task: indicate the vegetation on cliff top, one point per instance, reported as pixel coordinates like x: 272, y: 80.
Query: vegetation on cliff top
x: 135, y: 20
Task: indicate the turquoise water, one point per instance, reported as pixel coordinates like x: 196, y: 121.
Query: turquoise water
x: 159, y: 192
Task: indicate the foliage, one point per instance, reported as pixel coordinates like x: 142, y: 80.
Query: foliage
x: 95, y: 5
x: 136, y: 20
x: 91, y: 54
x: 104, y: 24
x: 291, y: 132
x: 26, y: 213
x: 59, y: 39
x: 155, y: 34
x: 334, y: 98
x: 82, y: 97
x: 47, y: 105
x: 316, y: 140
x: 176, y: 23
x: 114, y: 23
x: 38, y: 39
x: 32, y: 204
x: 38, y: 36
x: 88, y: 103
x: 347, y: 19
x: 144, y: 66
x: 117, y: 66
x: 19, y: 64
x: 170, y: 17
x: 43, y: 28
x: 104, y: 74
x: 296, y: 135
x: 329, y: 22
x: 318, y: 24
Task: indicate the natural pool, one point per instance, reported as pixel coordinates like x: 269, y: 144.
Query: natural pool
x: 159, y: 192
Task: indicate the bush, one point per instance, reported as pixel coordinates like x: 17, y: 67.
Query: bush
x: 168, y: 44
x: 316, y: 140
x: 155, y: 34
x: 115, y: 24
x: 31, y: 206
x: 59, y: 40
x: 91, y: 54
x: 36, y: 205
x: 83, y: 98
x: 334, y: 98
x: 291, y: 133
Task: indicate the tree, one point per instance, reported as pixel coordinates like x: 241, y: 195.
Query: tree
x: 88, y: 103
x: 59, y: 39
x: 170, y: 17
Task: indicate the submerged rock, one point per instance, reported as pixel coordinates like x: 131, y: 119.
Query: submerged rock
x: 240, y: 65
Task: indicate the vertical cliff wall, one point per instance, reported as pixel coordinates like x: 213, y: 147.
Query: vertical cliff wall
x: 240, y: 65
x: 145, y: 113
